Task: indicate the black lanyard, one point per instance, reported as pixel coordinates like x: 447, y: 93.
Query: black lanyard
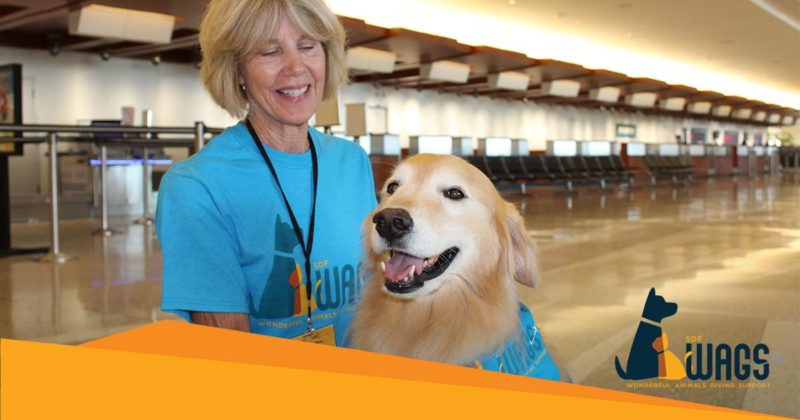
x: 295, y: 225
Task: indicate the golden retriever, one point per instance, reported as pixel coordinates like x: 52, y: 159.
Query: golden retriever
x: 443, y: 254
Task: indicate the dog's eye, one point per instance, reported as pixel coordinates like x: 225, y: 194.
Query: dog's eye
x: 392, y: 187
x: 454, y: 194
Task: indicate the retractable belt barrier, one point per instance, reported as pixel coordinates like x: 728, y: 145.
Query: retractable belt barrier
x: 52, y: 134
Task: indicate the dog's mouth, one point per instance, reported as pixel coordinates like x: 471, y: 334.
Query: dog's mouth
x: 405, y: 273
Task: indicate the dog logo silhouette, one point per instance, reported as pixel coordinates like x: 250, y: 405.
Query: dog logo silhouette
x: 285, y: 287
x: 649, y: 357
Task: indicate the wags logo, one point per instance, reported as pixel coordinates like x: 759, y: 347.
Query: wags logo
x: 650, y: 358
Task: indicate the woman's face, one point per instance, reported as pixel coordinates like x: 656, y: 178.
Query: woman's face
x: 286, y: 79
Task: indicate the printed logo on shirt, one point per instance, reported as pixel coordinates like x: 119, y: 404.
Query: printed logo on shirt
x: 284, y: 294
x: 337, y: 285
x: 284, y: 289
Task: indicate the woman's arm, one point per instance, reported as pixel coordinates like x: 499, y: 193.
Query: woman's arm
x: 229, y: 320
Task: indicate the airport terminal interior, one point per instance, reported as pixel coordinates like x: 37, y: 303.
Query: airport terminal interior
x: 662, y: 155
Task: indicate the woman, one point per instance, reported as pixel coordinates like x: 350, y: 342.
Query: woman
x: 260, y: 230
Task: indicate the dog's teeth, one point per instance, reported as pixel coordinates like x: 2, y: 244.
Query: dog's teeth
x: 383, y: 266
x: 411, y: 272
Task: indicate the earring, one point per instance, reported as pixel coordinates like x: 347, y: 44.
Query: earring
x: 244, y: 89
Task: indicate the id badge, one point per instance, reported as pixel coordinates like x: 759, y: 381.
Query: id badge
x: 324, y: 335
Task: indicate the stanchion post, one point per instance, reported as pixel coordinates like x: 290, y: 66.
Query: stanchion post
x: 146, y: 220
x: 54, y: 256
x: 104, y: 229
x: 199, y: 136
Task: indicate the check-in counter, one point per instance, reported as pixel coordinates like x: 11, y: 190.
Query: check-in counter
x: 745, y: 163
x: 632, y: 154
x: 721, y: 160
x: 773, y: 160
x: 760, y: 157
x: 698, y: 158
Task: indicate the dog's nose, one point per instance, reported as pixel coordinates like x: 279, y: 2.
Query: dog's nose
x: 392, y: 224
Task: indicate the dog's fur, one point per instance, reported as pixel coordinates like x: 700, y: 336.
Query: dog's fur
x: 472, y: 308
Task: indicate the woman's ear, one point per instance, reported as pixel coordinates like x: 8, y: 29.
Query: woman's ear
x: 522, y: 255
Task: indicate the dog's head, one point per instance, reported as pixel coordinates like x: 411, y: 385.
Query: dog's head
x: 657, y: 308
x: 441, y: 225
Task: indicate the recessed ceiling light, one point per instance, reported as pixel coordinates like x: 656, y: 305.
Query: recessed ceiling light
x: 512, y: 2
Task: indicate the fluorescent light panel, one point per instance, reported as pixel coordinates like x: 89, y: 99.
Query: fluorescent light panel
x: 605, y: 94
x: 699, y: 107
x: 641, y: 99
x: 742, y: 113
x: 672, y: 104
x: 509, y: 80
x: 722, y: 111
x: 113, y: 22
x: 445, y: 71
x: 370, y: 59
x: 563, y: 88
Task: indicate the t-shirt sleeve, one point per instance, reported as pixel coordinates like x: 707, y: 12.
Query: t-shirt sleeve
x: 201, y: 270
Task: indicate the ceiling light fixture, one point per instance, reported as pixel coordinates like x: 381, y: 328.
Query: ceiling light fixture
x: 99, y: 21
x: 370, y: 59
x: 509, y: 80
x: 605, y: 94
x: 446, y: 71
x: 641, y: 99
x: 702, y: 107
x: 563, y: 88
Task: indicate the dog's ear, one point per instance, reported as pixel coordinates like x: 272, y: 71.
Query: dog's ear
x: 522, y: 256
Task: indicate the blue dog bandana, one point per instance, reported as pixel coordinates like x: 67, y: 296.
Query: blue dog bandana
x: 523, y: 355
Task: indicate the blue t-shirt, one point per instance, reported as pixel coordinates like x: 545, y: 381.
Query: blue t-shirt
x: 229, y: 246
x: 524, y: 355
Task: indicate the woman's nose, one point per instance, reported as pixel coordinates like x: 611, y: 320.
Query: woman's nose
x: 294, y: 62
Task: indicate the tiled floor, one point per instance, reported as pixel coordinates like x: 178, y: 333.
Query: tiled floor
x: 727, y: 251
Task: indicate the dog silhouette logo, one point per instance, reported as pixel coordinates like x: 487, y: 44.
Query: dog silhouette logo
x: 285, y: 289
x: 649, y: 356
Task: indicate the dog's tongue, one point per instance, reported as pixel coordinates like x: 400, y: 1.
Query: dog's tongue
x: 399, y: 265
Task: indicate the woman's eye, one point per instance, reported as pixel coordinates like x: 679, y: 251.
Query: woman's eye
x: 269, y: 53
x: 392, y: 187
x: 307, y: 47
x: 454, y: 194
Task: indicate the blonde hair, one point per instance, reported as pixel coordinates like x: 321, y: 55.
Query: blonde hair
x: 234, y: 30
